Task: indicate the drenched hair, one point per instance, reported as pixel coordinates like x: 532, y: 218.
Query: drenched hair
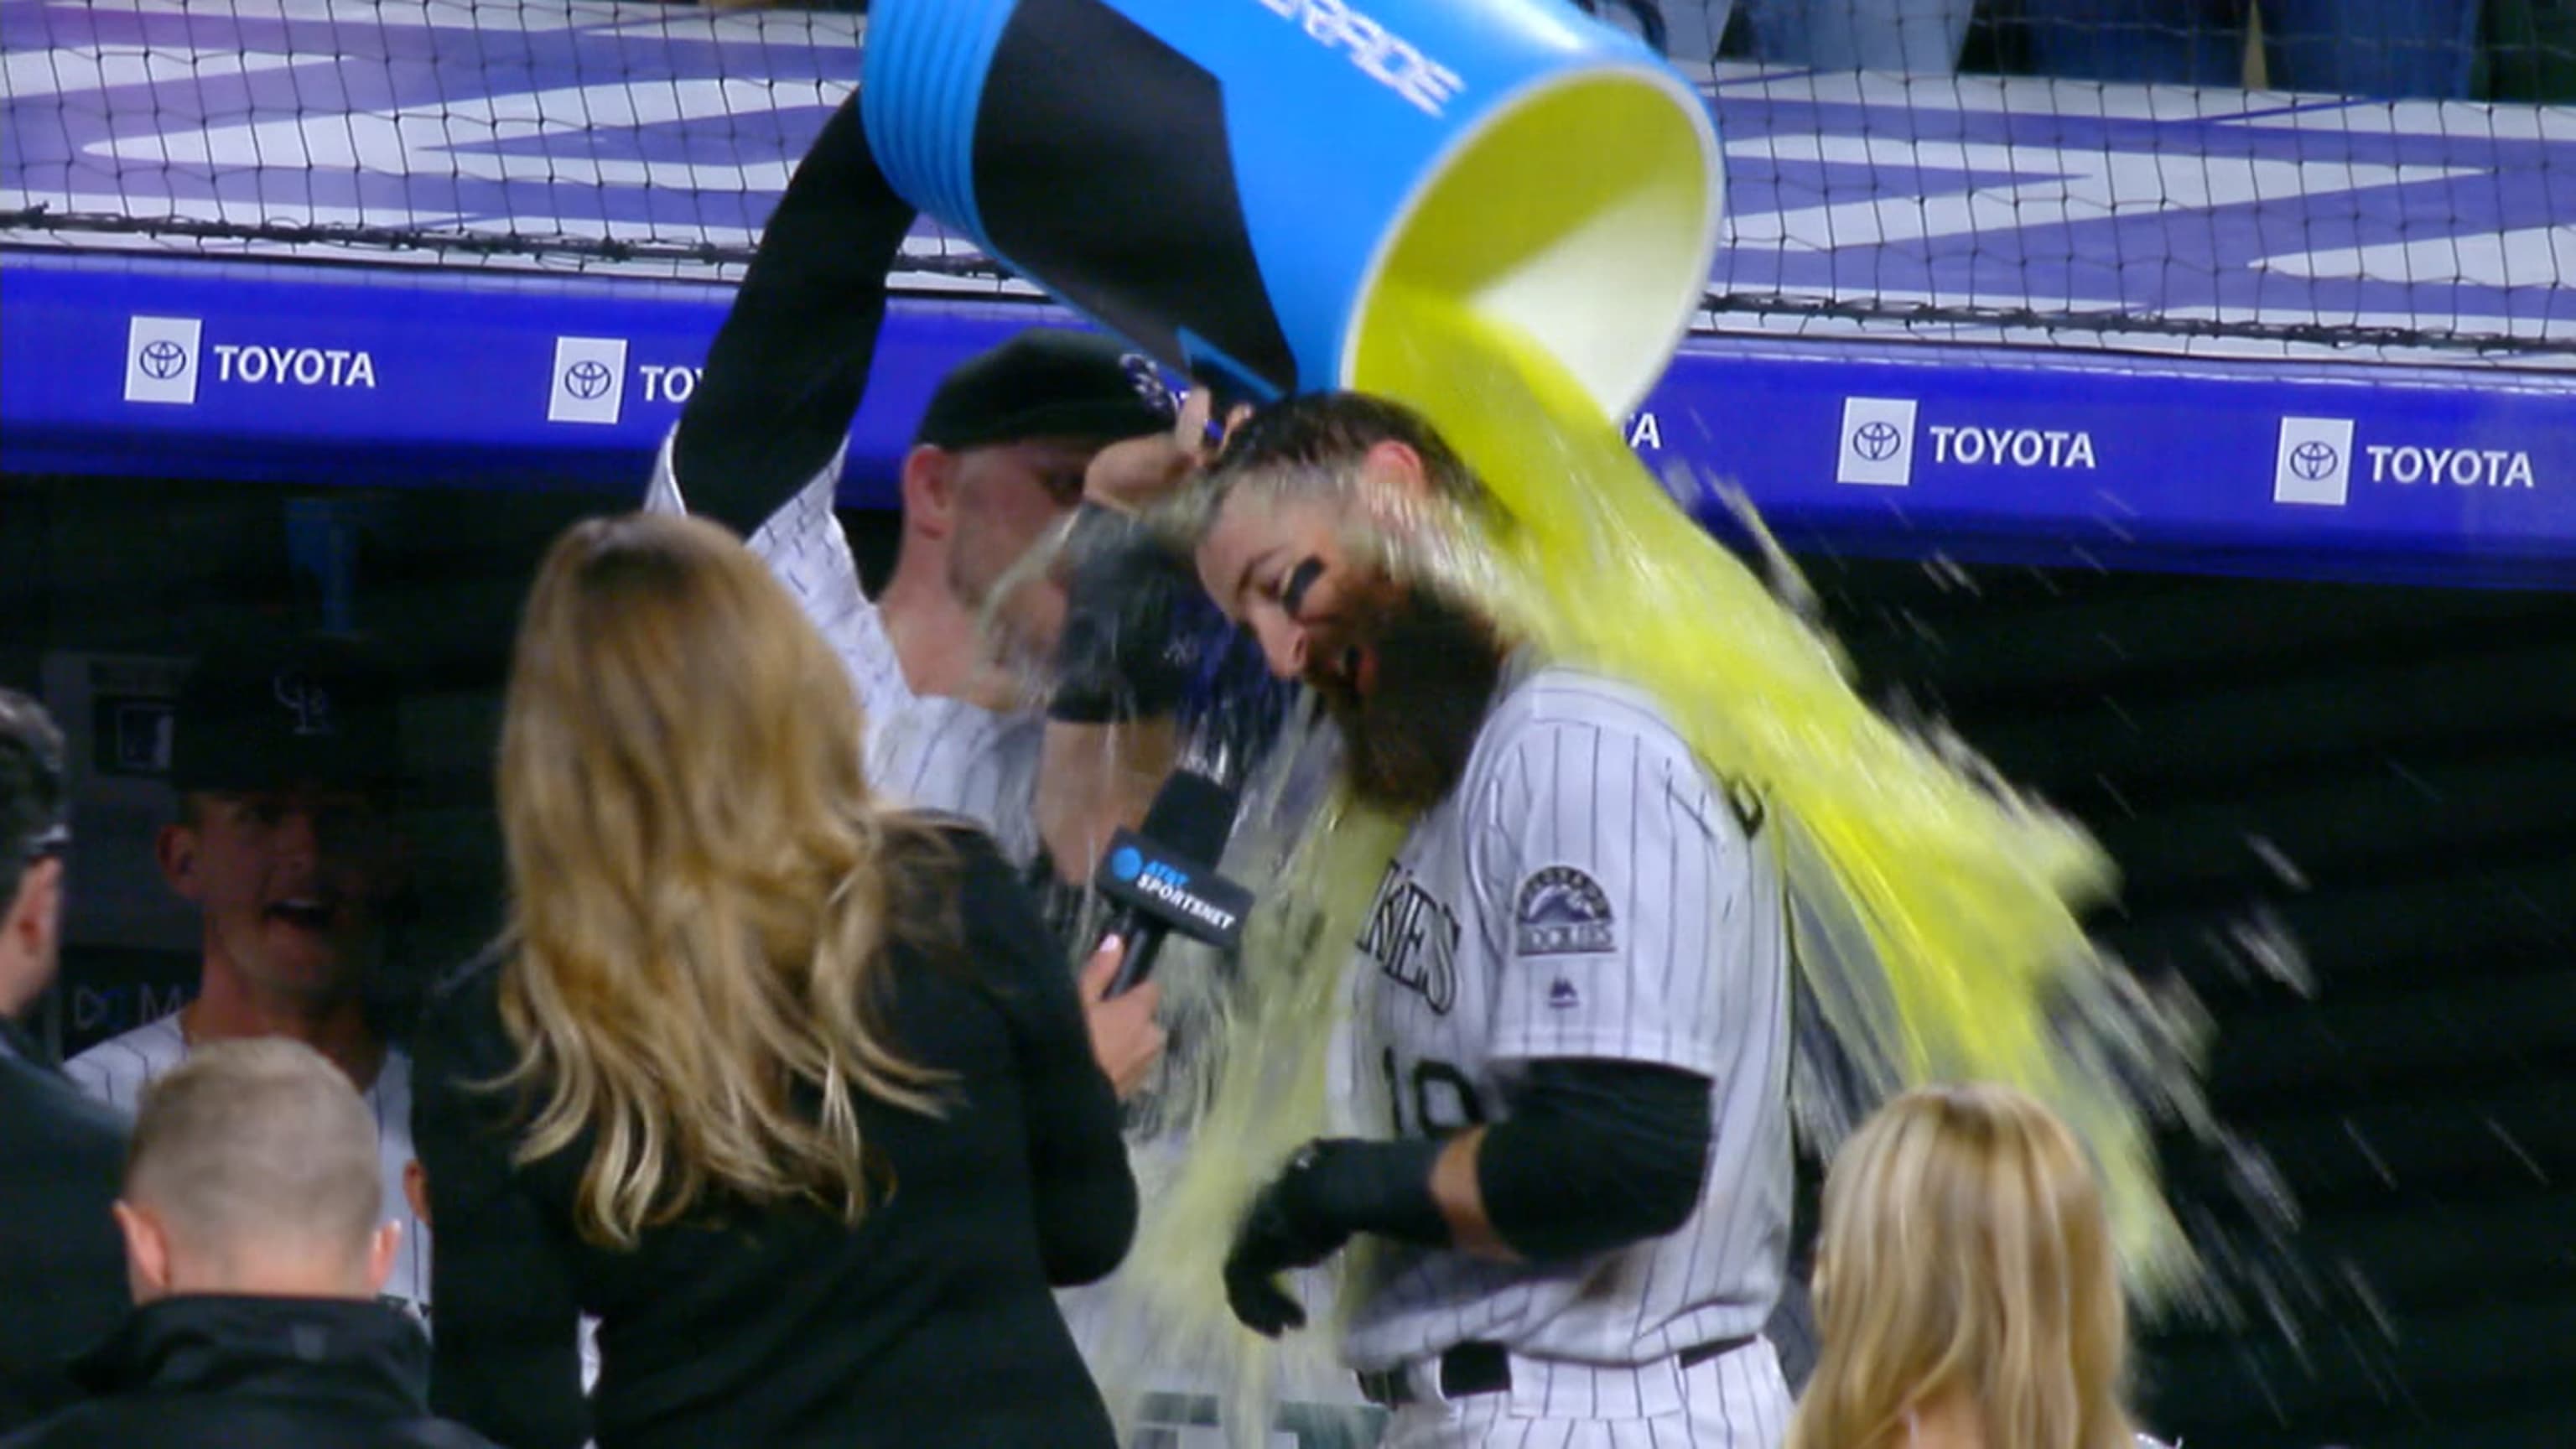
x: 1964, y: 1251
x: 258, y: 1148
x: 1324, y: 434
x: 32, y: 795
x: 703, y: 889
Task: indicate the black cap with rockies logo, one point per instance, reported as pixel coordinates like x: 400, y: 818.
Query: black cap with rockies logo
x: 1048, y: 383
x: 312, y: 711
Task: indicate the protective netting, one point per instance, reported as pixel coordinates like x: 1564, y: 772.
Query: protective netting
x: 2187, y: 174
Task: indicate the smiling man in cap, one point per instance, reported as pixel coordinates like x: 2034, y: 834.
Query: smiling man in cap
x: 284, y: 759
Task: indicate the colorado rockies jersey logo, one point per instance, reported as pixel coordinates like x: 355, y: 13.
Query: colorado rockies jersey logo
x: 1561, y: 911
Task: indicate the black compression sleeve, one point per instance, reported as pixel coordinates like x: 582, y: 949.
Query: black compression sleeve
x: 1596, y: 1155
x: 783, y: 377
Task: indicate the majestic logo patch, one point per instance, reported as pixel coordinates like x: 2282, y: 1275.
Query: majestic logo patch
x: 1561, y: 912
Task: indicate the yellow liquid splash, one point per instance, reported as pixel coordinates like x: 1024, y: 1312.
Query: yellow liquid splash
x: 1935, y: 913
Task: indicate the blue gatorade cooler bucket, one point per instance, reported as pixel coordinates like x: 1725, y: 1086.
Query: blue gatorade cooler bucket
x: 1231, y: 184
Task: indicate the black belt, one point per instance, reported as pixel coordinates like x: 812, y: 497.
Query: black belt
x: 1486, y: 1368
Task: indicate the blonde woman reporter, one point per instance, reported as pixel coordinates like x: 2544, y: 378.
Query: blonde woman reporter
x: 787, y: 1087
x: 1966, y: 1292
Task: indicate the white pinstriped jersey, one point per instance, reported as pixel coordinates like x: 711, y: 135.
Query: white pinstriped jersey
x: 1586, y: 892
x: 934, y: 752
x: 118, y: 1069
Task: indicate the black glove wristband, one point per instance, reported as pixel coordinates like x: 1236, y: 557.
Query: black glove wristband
x: 1379, y: 1187
x: 1328, y: 1191
x: 1122, y: 654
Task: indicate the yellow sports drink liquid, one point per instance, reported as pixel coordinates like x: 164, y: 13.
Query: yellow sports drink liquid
x: 1936, y: 912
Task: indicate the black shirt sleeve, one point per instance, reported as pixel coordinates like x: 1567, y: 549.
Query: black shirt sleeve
x: 785, y: 372
x: 62, y: 1263
x: 504, y: 1320
x: 1596, y: 1155
x: 1078, y: 1169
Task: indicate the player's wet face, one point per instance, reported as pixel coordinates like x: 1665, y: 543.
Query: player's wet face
x: 1406, y: 675
x: 290, y: 881
x: 1006, y: 498
x: 1280, y: 566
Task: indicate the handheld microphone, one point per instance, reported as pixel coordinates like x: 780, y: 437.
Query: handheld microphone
x: 1163, y: 878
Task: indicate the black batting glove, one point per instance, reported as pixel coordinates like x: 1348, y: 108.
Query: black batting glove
x: 1330, y: 1189
x: 1287, y: 1227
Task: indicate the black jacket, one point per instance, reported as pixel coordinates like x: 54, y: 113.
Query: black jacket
x: 206, y: 1372
x: 62, y: 1268
x: 927, y: 1326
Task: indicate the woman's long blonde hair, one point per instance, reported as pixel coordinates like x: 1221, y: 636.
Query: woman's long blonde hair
x: 1965, y: 1252
x: 702, y: 888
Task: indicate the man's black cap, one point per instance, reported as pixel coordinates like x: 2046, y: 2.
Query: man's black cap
x: 1048, y: 383
x: 314, y: 711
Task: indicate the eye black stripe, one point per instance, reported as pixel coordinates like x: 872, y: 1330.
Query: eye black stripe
x: 1292, y: 594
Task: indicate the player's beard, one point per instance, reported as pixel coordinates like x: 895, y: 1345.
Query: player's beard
x: 1407, y: 731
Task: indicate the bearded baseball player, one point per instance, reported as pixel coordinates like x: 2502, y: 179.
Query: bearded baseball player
x: 1572, y: 989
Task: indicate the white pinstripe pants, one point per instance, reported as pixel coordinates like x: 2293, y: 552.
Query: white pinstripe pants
x: 1735, y: 1401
